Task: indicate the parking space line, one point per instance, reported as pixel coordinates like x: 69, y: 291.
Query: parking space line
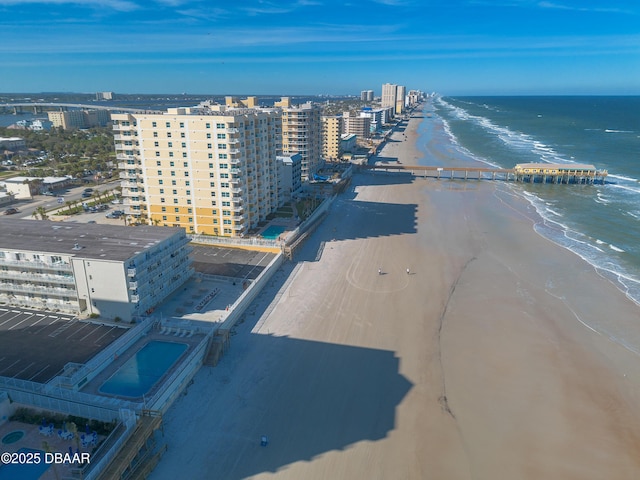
x: 78, y: 330
x: 25, y: 368
x: 22, y: 321
x: 17, y: 361
x: 109, y: 331
x: 40, y: 372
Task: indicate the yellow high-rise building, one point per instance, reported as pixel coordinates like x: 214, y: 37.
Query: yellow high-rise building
x: 331, y: 133
x: 208, y: 169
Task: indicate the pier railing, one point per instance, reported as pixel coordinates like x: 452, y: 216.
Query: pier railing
x: 488, y: 173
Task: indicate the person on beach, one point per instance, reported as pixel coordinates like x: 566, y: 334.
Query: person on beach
x: 379, y: 271
x: 407, y: 271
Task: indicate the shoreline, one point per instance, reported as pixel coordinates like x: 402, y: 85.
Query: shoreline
x: 474, y: 365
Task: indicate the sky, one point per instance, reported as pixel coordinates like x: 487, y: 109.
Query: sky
x: 314, y: 47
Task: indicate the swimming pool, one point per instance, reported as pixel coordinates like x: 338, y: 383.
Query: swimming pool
x: 26, y: 471
x: 142, y: 371
x: 273, y: 231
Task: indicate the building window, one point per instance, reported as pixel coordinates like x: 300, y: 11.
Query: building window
x: 171, y: 164
x: 170, y: 144
x: 181, y: 124
x: 162, y: 200
x: 156, y: 144
x: 212, y: 175
x: 224, y: 165
x: 168, y: 124
x: 211, y: 165
x: 221, y: 135
x: 159, y: 182
x: 222, y: 156
x: 157, y: 154
x: 208, y: 135
x: 154, y: 124
x: 222, y: 146
x: 175, y: 200
x: 219, y: 125
x: 161, y: 191
x: 177, y: 209
x: 164, y: 209
x: 208, y: 125
x: 159, y: 173
x: 173, y: 182
x: 158, y: 163
x: 155, y: 134
x: 164, y: 217
x: 173, y: 173
x: 190, y: 219
x: 212, y: 184
x: 184, y: 154
x: 209, y: 145
x: 175, y: 192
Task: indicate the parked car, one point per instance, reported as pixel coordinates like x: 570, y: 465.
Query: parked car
x: 86, y: 194
x: 10, y: 211
x: 88, y: 190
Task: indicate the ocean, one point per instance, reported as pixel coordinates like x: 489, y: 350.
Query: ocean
x: 600, y: 222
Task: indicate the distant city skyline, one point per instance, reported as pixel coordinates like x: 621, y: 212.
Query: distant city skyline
x: 315, y: 47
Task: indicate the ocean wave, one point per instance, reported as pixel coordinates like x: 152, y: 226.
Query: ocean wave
x: 622, y: 177
x: 618, y: 131
x: 586, y: 248
x: 513, y: 139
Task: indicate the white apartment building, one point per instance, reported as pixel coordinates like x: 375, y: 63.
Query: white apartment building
x: 389, y: 92
x: 302, y: 133
x: 208, y: 169
x: 290, y: 176
x: 111, y: 271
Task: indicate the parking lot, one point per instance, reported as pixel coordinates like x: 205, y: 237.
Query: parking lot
x: 230, y: 262
x: 36, y: 345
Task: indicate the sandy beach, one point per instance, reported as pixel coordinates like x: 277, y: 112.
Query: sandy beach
x: 474, y: 365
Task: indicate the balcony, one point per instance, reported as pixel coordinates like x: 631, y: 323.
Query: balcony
x: 133, y: 285
x: 131, y: 272
x: 233, y: 130
x: 235, y: 161
x: 58, y: 266
x: 135, y: 298
x: 236, y: 190
x: 127, y: 175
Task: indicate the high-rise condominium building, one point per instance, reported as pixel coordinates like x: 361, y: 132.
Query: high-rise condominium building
x: 331, y: 133
x: 401, y: 93
x: 302, y: 133
x: 366, y: 95
x: 208, y: 169
x: 389, y: 92
x: 74, y: 119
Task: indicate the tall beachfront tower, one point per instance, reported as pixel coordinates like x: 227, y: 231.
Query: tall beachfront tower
x: 401, y: 93
x: 331, y: 134
x: 302, y: 133
x: 208, y: 169
x: 389, y: 92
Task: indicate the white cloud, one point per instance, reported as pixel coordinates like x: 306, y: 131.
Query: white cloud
x: 119, y: 5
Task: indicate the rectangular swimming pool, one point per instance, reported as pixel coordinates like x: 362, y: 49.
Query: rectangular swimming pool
x: 273, y: 231
x: 142, y: 371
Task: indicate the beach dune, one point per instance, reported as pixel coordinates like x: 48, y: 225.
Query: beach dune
x: 476, y: 364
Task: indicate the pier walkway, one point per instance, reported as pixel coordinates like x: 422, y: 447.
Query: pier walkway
x: 560, y: 174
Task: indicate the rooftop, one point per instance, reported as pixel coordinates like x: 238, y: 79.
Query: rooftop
x: 103, y: 242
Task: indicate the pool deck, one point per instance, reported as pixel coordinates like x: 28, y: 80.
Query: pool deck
x: 94, y: 385
x: 33, y: 439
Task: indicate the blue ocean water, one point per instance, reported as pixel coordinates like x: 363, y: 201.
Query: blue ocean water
x: 600, y: 223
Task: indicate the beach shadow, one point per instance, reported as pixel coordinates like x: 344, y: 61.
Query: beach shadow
x: 351, y: 218
x: 309, y: 398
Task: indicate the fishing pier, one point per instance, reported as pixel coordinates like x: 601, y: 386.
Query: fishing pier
x: 523, y: 172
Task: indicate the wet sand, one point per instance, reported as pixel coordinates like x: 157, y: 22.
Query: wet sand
x: 475, y: 365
